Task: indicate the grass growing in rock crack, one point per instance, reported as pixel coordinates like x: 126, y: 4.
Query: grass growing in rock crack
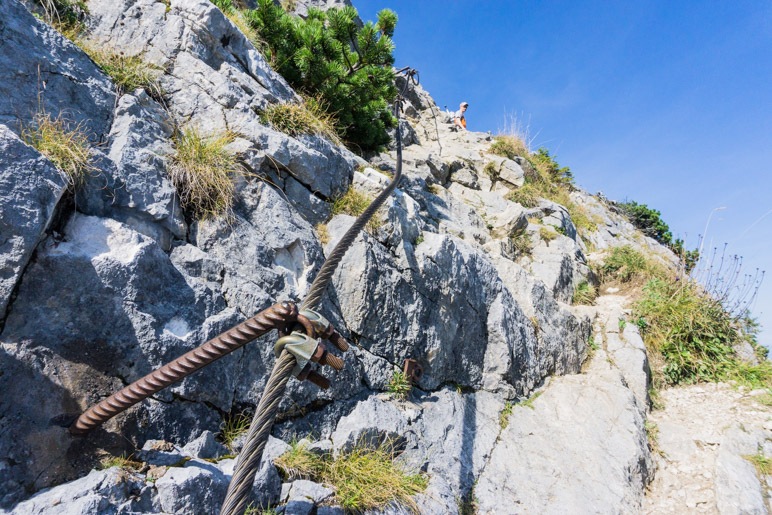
x: 123, y: 462
x: 308, y: 117
x: 232, y: 427
x: 128, y: 72
x: 354, y: 203
x: 65, y: 144
x: 547, y: 234
x: 202, y: 170
x: 585, y: 293
x: 762, y: 464
x: 364, y: 478
x: 399, y: 385
x: 528, y: 403
x: 504, y: 415
x: 522, y: 243
x: 652, y: 435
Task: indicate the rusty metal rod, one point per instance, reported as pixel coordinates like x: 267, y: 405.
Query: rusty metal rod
x: 278, y: 316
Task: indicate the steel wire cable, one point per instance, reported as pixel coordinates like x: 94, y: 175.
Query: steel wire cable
x: 248, y: 462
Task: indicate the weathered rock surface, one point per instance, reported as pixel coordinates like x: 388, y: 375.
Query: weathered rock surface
x: 707, y: 435
x: 581, y: 444
x: 43, y: 72
x: 30, y: 188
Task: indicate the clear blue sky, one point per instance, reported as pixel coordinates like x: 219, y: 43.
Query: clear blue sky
x: 666, y: 103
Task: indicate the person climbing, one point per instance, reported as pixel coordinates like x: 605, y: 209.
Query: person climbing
x: 459, y: 120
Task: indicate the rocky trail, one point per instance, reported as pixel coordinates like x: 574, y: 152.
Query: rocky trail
x: 704, y: 436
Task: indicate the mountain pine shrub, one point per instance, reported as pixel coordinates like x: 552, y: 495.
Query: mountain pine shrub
x: 327, y: 55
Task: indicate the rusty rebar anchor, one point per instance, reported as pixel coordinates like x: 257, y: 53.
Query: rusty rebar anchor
x: 280, y: 316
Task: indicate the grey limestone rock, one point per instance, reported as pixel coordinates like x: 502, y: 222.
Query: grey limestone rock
x: 118, y: 309
x: 137, y: 190
x: 196, y: 487
x: 738, y: 489
x: 30, y: 189
x: 582, y: 445
x: 108, y: 491
x: 205, y: 446
x: 45, y: 72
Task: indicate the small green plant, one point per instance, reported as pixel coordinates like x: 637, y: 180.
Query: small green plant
x: 419, y: 240
x: 762, y: 464
x: 203, y: 170
x: 622, y: 324
x: 526, y: 195
x: 626, y: 264
x: 233, y: 427
x: 585, y: 293
x: 592, y: 344
x: 308, y: 117
x: 364, y: 478
x: 492, y: 171
x: 128, y: 72
x: 694, y: 335
x: 550, y: 169
x: 522, y: 243
x: 300, y: 463
x: 652, y: 435
x: 528, y: 403
x: 367, y: 479
x: 547, y: 234
x: 504, y: 415
x: 399, y: 385
x: 508, y: 146
x: 354, y: 203
x: 123, y: 462
x: 66, y: 16
x: 63, y: 143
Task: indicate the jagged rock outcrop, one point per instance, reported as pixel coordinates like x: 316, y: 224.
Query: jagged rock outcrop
x: 102, y: 284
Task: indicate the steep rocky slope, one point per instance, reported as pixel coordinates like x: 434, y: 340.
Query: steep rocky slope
x: 102, y: 285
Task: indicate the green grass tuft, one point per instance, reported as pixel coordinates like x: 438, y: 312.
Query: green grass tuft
x: 585, y: 293
x: 64, y: 144
x: 128, y: 72
x: 203, y: 171
x: 508, y: 146
x: 399, y: 385
x: 309, y: 117
x: 363, y: 479
x: 232, y: 427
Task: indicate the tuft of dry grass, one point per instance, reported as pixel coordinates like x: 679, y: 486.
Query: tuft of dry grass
x: 365, y: 478
x: 123, y: 462
x: 128, y: 72
x: 547, y: 234
x: 509, y: 146
x: 232, y: 427
x: 202, y: 170
x: 308, y: 117
x: 354, y: 203
x: 526, y: 195
x: 585, y: 293
x: 65, y: 144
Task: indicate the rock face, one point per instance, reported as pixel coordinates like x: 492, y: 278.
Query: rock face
x: 30, y: 188
x: 105, y: 283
